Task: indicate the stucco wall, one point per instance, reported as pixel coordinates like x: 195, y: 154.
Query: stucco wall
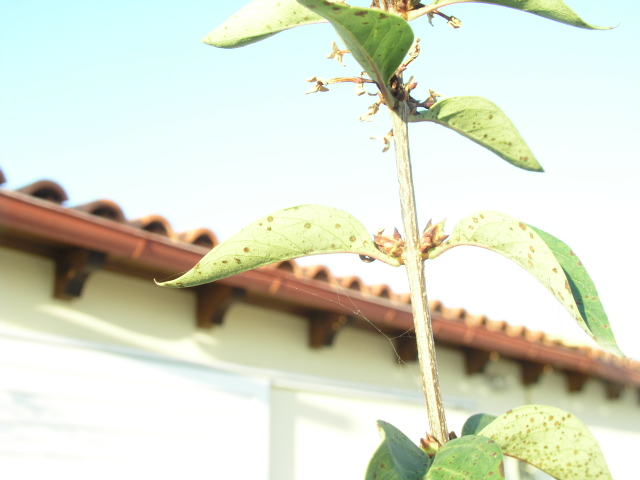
x: 323, y: 403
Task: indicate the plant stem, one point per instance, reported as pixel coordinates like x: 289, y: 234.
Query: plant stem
x: 415, y: 271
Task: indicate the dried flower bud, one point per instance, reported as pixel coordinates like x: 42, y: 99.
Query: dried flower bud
x: 319, y: 86
x: 430, y: 445
x: 393, y: 246
x: 387, y: 140
x: 431, y: 101
x: 337, y: 53
x: 454, y: 22
x: 368, y: 117
x: 432, y: 236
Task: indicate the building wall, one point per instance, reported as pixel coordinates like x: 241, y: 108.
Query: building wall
x: 300, y: 413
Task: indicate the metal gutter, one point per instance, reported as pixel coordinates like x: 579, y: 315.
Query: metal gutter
x: 51, y: 223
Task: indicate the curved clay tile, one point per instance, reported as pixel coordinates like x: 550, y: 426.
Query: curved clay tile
x: 533, y: 335
x: 454, y: 313
x: 514, y: 330
x: 354, y: 283
x: 200, y: 236
x: 46, y: 190
x: 476, y: 320
x: 436, y: 306
x: 405, y: 298
x: 318, y: 272
x: 382, y: 290
x: 103, y: 208
x: 3, y: 179
x: 495, y: 325
x: 285, y: 266
x: 154, y: 224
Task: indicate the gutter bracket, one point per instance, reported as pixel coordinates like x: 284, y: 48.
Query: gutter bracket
x: 614, y: 390
x: 323, y: 327
x: 475, y: 360
x: 73, y: 268
x: 407, y: 348
x: 575, y: 381
x: 531, y: 372
x: 213, y: 301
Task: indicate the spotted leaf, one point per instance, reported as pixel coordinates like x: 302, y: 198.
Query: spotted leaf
x: 551, y: 439
x: 546, y: 258
x: 397, y: 458
x: 481, y: 121
x: 283, y: 235
x: 476, y: 422
x: 259, y: 20
x: 552, y: 9
x: 470, y: 457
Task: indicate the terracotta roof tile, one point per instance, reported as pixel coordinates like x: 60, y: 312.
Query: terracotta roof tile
x: 200, y: 236
x: 533, y: 335
x: 457, y: 314
x: 476, y: 320
x: 286, y: 266
x: 154, y: 224
x: 354, y: 283
x: 103, y: 208
x: 319, y: 272
x: 436, y: 306
x: 515, y: 330
x: 382, y: 290
x: 46, y: 190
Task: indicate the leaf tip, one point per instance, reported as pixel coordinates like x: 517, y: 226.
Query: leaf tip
x: 170, y: 283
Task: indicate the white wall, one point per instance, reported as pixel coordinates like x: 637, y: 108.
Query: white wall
x: 322, y: 403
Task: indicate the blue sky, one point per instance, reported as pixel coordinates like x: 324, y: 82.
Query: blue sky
x: 120, y: 100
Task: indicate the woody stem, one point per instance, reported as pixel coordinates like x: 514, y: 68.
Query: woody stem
x: 416, y: 273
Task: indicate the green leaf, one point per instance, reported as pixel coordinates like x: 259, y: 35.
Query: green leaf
x: 259, y: 20
x: 552, y: 9
x: 482, y: 121
x: 397, y: 457
x: 468, y: 458
x: 283, y: 235
x: 561, y: 273
x: 476, y: 422
x: 378, y: 40
x: 583, y: 290
x: 551, y: 439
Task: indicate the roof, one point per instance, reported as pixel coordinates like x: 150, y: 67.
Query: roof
x: 97, y: 235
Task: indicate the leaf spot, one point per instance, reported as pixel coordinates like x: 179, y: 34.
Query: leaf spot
x: 522, y: 226
x: 352, y: 238
x: 247, y: 249
x: 307, y: 225
x: 337, y: 225
x: 270, y: 218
